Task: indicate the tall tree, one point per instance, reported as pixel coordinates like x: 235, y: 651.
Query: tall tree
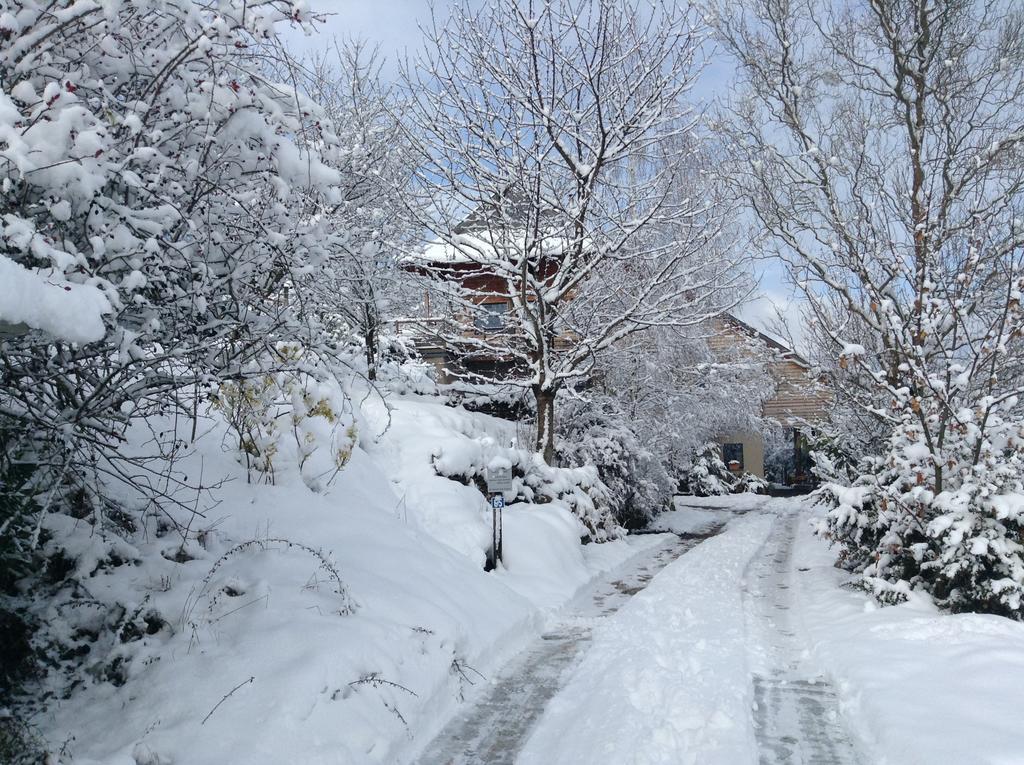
x: 879, y: 143
x: 546, y: 133
x: 361, y: 284
x: 156, y: 239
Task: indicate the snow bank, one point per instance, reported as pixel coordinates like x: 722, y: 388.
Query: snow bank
x: 918, y: 687
x: 723, y: 502
x: 72, y: 312
x: 260, y: 659
x: 415, y: 429
x: 666, y: 680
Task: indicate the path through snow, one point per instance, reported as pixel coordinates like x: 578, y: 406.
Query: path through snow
x: 494, y: 730
x: 796, y: 710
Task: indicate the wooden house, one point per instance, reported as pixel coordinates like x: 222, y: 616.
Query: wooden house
x: 449, y: 334
x: 799, y: 399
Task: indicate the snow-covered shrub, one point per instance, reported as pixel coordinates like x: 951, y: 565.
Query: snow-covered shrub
x: 962, y: 544
x: 158, y: 233
x: 832, y: 460
x: 599, y: 434
x: 19, y: 743
x: 578, y: 489
x: 494, y: 398
x: 401, y: 369
x: 269, y: 411
x: 18, y: 559
x: 748, y: 483
x: 138, y: 262
x: 708, y: 475
x: 215, y: 597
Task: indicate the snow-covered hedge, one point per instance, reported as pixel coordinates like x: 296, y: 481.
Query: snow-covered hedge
x: 962, y: 544
x: 599, y: 433
x: 578, y: 489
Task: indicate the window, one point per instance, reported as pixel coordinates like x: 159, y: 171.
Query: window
x: 492, y: 316
x: 732, y: 456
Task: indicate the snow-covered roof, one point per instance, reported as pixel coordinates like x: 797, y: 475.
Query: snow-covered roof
x: 478, y: 247
x: 772, y: 342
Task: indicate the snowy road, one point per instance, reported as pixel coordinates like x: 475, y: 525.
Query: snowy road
x: 710, y: 665
x: 495, y: 729
x: 796, y: 710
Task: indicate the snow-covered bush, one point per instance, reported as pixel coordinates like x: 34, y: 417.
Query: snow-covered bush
x: 159, y: 233
x: 832, y: 460
x: 748, y: 483
x: 178, y: 263
x: 19, y: 743
x: 268, y: 410
x: 493, y: 398
x: 708, y: 475
x: 598, y: 433
x: 579, y: 489
x: 963, y: 544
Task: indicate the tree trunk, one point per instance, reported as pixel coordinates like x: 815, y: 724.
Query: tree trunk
x: 371, y: 352
x: 545, y: 441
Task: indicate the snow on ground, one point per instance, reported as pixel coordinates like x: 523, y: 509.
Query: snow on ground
x: 666, y: 679
x: 796, y: 708
x: 698, y: 515
x: 749, y: 649
x: 265, y: 659
x: 499, y: 715
x: 918, y: 687
x: 732, y: 502
x: 260, y: 661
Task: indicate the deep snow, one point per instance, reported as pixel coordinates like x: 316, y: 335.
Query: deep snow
x: 917, y: 686
x: 741, y: 647
x: 266, y: 659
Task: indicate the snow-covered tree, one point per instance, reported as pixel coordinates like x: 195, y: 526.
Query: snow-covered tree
x: 879, y: 143
x: 549, y: 135
x: 362, y: 287
x: 680, y: 393
x: 158, y: 235
x: 151, y: 177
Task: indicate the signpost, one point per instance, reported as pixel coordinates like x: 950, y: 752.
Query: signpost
x: 499, y: 480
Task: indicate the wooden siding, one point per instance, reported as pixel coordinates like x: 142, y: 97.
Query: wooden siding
x: 798, y: 395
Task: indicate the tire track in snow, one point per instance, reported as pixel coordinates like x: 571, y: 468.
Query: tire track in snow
x: 494, y: 730
x: 796, y: 709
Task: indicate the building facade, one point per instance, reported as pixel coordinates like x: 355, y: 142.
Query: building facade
x: 799, y: 401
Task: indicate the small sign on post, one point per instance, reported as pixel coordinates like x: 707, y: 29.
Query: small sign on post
x: 499, y: 480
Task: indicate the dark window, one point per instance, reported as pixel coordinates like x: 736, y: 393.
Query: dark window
x: 492, y: 316
x: 732, y: 456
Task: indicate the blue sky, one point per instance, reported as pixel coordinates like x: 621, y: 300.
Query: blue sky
x: 392, y: 23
